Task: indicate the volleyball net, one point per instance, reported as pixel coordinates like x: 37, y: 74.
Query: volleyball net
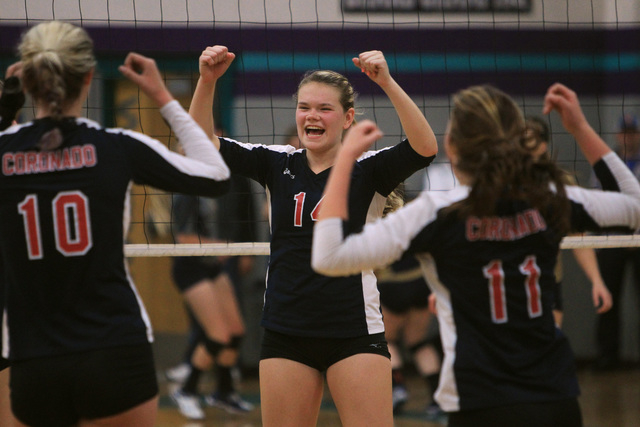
x: 433, y: 47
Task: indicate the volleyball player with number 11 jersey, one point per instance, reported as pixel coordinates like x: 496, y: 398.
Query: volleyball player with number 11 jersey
x: 488, y: 250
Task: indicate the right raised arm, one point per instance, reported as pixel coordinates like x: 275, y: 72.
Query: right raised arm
x: 611, y: 210
x: 565, y: 101
x: 196, y: 144
x: 144, y: 72
x: 414, y: 123
x: 213, y: 63
x: 357, y: 140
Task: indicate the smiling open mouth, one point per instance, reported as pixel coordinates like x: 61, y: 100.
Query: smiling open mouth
x: 314, y: 130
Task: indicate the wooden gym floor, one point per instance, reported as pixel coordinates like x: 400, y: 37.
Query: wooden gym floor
x: 609, y: 399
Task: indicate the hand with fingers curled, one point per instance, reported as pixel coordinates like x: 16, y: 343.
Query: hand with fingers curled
x: 359, y: 138
x: 144, y: 72
x: 374, y: 65
x: 565, y: 101
x: 214, y: 62
x: 14, y: 69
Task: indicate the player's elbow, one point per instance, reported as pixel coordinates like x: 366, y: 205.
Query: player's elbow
x: 325, y: 264
x: 328, y: 253
x: 332, y: 262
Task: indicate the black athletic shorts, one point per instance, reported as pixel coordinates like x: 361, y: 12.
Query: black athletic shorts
x: 559, y: 413
x: 557, y: 300
x: 188, y: 270
x: 320, y: 353
x: 400, y: 297
x: 59, y: 391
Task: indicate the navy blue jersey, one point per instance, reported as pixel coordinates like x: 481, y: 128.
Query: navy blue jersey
x: 493, y: 278
x: 64, y: 212
x: 299, y: 301
x: 4, y: 363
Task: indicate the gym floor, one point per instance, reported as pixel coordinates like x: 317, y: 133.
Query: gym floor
x: 609, y: 399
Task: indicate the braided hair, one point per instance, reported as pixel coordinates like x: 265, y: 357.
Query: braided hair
x: 56, y: 57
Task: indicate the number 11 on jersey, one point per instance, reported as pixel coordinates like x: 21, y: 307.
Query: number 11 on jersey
x: 498, y: 294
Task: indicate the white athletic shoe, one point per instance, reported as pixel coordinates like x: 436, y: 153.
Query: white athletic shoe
x: 232, y: 402
x: 400, y: 396
x: 178, y: 374
x: 188, y: 404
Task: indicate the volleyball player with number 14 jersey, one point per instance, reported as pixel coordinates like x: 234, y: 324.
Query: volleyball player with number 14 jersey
x: 316, y: 324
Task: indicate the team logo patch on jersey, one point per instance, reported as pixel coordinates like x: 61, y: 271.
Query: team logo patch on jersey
x: 288, y: 172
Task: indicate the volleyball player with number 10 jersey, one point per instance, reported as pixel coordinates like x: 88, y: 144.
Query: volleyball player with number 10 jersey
x: 78, y: 334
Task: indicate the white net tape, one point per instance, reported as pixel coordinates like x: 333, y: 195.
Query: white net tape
x: 208, y: 249
x: 262, y: 248
x: 596, y: 242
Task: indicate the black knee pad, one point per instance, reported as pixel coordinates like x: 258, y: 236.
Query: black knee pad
x: 213, y: 347
x: 424, y: 343
x: 235, y: 342
x: 433, y: 341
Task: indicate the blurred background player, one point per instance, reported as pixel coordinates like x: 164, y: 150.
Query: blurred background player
x: 614, y: 262
x: 585, y: 257
x: 211, y: 288
x: 404, y: 298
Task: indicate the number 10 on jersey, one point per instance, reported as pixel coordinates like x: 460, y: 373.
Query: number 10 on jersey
x: 71, y: 224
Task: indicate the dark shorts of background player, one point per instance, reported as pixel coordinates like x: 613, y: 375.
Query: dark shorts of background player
x: 187, y: 271
x: 59, y: 391
x: 400, y: 297
x: 565, y: 413
x: 557, y: 296
x: 320, y: 353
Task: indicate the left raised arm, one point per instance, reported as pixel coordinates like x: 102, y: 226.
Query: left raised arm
x: 414, y: 123
x: 336, y: 193
x: 331, y: 255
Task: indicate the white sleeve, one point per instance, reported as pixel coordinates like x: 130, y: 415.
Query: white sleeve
x: 612, y: 208
x: 378, y: 245
x: 193, y: 139
x: 627, y: 182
